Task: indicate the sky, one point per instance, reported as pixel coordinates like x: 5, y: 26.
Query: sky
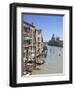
x: 49, y: 24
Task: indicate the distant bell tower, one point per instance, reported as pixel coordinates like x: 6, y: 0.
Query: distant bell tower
x: 53, y: 37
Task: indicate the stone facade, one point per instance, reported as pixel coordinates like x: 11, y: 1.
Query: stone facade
x: 31, y: 42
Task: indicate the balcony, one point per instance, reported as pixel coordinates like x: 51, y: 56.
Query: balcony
x: 27, y: 38
x: 27, y: 45
x: 29, y: 34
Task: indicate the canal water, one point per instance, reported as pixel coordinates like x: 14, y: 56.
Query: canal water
x: 53, y: 62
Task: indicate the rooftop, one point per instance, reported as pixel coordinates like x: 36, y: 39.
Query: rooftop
x: 29, y: 24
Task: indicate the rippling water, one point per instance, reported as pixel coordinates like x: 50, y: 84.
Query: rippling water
x: 53, y: 62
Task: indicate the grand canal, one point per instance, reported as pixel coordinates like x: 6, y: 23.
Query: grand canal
x: 53, y: 62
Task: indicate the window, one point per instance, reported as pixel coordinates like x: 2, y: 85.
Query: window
x: 27, y: 29
x: 23, y: 54
x: 38, y: 38
x: 27, y: 42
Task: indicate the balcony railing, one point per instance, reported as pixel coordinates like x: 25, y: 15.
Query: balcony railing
x: 27, y: 38
x: 27, y: 34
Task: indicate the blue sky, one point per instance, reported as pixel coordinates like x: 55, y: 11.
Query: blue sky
x: 49, y: 24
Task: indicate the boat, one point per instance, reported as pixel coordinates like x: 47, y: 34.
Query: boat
x: 40, y: 62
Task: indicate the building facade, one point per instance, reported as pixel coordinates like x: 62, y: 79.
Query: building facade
x: 31, y: 42
x: 39, y: 42
x: 55, y: 41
